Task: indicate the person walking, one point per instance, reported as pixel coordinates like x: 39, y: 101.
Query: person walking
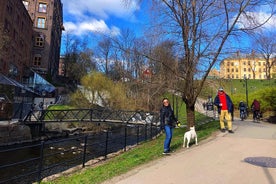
x: 168, y: 122
x: 225, y: 105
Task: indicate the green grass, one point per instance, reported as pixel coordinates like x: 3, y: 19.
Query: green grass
x: 135, y: 157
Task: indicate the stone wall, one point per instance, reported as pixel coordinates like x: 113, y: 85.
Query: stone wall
x: 14, y: 133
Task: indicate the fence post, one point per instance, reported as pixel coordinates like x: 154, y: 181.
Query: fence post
x: 146, y: 132
x: 84, y: 151
x: 106, y: 144
x: 125, y: 140
x: 41, y: 161
x: 137, y: 140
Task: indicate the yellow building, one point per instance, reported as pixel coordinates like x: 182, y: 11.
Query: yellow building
x: 249, y: 67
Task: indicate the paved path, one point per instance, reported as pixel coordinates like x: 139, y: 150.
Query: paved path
x: 219, y: 160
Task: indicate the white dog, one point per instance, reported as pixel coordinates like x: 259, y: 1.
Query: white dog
x: 191, y: 134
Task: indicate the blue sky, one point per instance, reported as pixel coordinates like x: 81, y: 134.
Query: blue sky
x: 89, y: 17
x: 82, y: 17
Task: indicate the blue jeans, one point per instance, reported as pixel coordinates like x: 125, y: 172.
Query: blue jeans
x: 167, y: 142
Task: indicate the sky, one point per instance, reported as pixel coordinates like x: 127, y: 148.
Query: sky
x: 88, y: 17
x: 82, y: 17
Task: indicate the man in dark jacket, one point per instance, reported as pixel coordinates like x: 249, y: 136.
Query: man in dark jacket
x: 225, y: 105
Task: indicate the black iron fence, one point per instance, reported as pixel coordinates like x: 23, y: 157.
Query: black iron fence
x: 31, y: 163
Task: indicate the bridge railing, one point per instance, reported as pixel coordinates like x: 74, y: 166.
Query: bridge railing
x: 88, y: 115
x: 32, y: 163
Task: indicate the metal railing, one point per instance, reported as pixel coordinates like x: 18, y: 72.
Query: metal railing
x: 32, y: 163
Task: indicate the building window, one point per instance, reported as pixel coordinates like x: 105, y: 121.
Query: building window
x: 248, y: 62
x: 41, y: 22
x: 26, y: 4
x: 248, y: 69
x: 260, y: 76
x: 237, y: 76
x: 232, y: 70
x: 228, y: 64
x: 232, y: 64
x: 228, y: 70
x: 39, y: 41
x: 237, y: 70
x: 42, y: 7
x: 260, y: 63
x: 244, y: 69
x: 264, y: 63
x: 263, y: 69
x: 244, y: 63
x: 249, y: 76
x: 37, y: 60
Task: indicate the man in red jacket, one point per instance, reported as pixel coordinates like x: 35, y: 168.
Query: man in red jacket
x: 225, y: 105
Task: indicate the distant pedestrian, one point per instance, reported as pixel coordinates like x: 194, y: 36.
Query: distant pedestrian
x: 168, y: 122
x: 225, y: 105
x: 256, y: 107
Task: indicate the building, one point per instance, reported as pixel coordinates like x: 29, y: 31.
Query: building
x: 47, y: 17
x: 251, y: 67
x: 15, y: 39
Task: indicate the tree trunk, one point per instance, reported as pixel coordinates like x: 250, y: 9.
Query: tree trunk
x: 190, y: 110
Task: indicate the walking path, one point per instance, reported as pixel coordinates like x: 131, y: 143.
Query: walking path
x: 247, y: 156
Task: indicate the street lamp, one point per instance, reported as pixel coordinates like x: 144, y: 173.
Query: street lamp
x: 246, y: 89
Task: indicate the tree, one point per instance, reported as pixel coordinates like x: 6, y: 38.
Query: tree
x: 99, y: 89
x: 104, y: 52
x: 78, y: 59
x: 265, y: 44
x: 201, y: 30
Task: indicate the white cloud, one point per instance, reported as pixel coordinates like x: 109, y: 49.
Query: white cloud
x: 93, y: 26
x: 258, y: 18
x: 78, y: 13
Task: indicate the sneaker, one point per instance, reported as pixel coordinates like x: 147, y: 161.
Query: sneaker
x: 166, y: 153
x: 230, y: 131
x: 222, y: 130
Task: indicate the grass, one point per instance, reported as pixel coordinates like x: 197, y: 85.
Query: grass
x: 135, y: 157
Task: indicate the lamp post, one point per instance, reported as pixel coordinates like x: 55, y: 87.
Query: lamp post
x: 246, y: 89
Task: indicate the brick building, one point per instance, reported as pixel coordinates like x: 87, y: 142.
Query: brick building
x: 15, y: 39
x: 47, y: 17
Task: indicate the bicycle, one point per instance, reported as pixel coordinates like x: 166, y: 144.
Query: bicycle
x: 243, y: 115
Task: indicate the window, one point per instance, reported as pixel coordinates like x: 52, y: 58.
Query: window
x: 232, y: 70
x: 248, y: 69
x: 232, y: 64
x: 244, y: 69
x: 26, y: 4
x: 237, y: 76
x: 41, y: 22
x: 249, y: 76
x: 37, y: 60
x: 237, y: 70
x: 248, y: 62
x: 39, y: 41
x: 228, y: 64
x: 260, y: 63
x: 42, y: 7
x: 228, y: 70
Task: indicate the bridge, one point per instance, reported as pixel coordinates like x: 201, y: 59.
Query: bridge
x: 37, y: 119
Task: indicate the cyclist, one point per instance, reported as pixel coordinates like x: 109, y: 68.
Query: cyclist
x: 255, y: 108
x: 242, y: 108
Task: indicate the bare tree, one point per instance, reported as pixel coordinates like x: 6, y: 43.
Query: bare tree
x: 104, y: 51
x: 201, y: 29
x: 265, y: 44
